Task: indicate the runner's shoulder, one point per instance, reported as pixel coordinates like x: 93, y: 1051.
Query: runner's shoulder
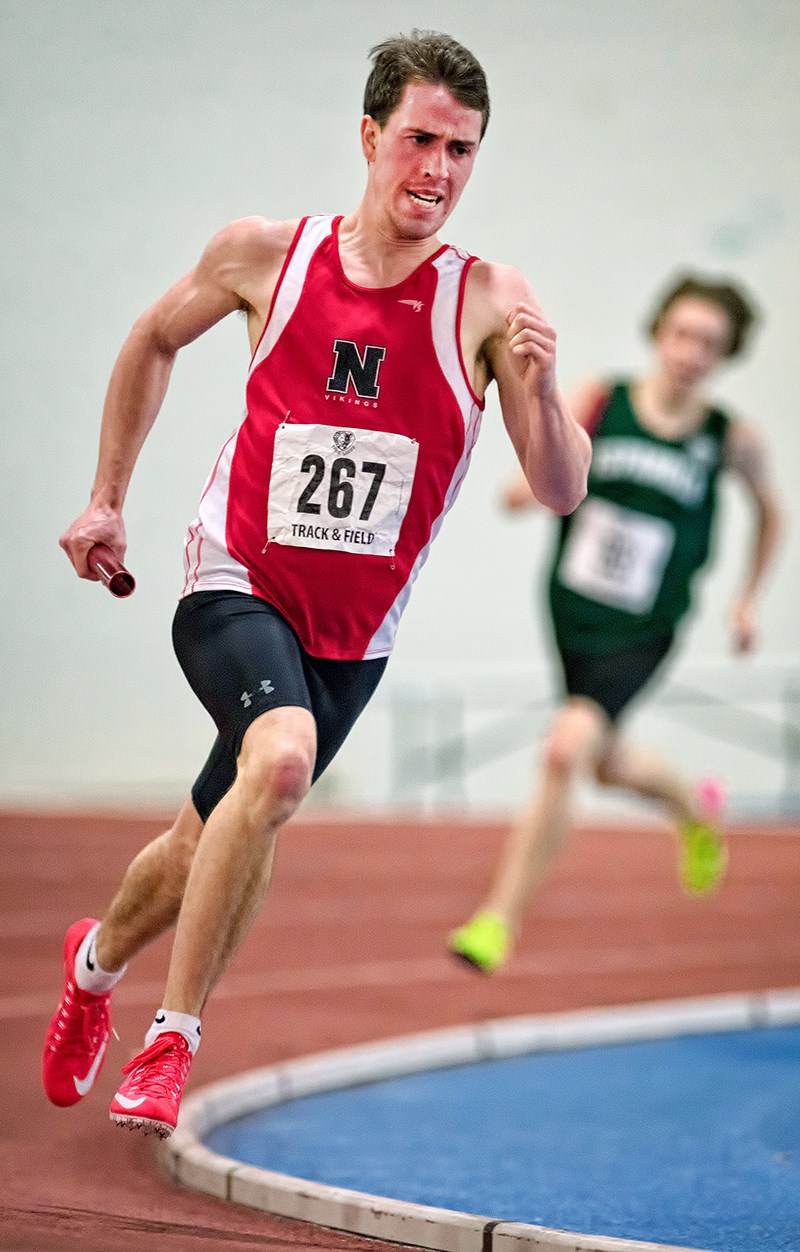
x: 494, y: 289
x: 250, y: 242
x: 502, y: 285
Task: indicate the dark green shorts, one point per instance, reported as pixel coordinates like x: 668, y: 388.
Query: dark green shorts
x: 612, y: 679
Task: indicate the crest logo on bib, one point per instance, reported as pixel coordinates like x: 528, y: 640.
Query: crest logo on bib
x: 343, y: 440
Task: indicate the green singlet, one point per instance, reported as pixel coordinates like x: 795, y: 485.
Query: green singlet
x: 625, y: 559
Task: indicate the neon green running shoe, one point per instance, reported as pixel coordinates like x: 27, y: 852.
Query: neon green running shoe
x: 484, y: 942
x: 704, y: 856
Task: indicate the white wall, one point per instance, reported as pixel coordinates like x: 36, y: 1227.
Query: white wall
x: 628, y: 138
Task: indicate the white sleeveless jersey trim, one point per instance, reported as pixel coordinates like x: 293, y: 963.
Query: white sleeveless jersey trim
x: 209, y: 565
x: 445, y: 327
x: 291, y: 284
x: 445, y: 324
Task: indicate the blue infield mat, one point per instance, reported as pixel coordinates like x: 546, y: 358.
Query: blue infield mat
x: 690, y: 1141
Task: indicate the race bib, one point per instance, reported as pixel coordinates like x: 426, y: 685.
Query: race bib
x: 344, y: 489
x: 616, y: 556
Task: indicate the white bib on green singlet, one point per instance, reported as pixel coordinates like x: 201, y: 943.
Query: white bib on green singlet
x: 616, y: 556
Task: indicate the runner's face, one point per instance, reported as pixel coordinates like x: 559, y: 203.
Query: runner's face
x: 421, y: 160
x: 691, y: 340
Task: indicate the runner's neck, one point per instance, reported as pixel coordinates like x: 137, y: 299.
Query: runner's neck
x: 666, y: 413
x: 373, y: 257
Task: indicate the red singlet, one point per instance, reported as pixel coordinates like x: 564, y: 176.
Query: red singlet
x: 359, y: 425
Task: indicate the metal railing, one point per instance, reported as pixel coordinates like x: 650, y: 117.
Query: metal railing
x: 445, y: 734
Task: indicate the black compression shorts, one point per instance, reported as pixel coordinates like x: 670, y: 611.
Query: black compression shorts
x: 612, y: 679
x: 242, y: 658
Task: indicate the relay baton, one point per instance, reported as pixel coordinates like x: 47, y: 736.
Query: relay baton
x: 116, y: 577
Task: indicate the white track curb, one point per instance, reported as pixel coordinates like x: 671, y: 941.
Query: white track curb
x: 443, y: 1230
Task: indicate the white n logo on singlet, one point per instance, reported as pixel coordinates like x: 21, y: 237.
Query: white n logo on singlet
x: 350, y: 366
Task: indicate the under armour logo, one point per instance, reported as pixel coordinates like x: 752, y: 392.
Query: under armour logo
x: 416, y: 305
x: 247, y: 696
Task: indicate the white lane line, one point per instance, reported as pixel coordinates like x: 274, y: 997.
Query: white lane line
x: 564, y: 903
x: 441, y: 969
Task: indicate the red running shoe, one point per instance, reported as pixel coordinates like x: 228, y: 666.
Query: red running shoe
x: 75, y: 1045
x: 150, y: 1096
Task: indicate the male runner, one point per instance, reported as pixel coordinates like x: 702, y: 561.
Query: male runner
x: 620, y: 584
x: 373, y: 345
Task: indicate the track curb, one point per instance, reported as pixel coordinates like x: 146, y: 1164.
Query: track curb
x: 396, y: 1221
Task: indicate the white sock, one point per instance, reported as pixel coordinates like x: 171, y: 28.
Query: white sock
x: 89, y: 974
x: 182, y: 1023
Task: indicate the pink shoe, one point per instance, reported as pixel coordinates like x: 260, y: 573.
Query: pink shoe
x: 75, y: 1045
x: 703, y: 854
x: 711, y: 797
x: 150, y: 1096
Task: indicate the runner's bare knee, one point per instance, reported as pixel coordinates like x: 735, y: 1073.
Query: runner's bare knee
x: 275, y: 768
x: 562, y: 750
x: 575, y: 727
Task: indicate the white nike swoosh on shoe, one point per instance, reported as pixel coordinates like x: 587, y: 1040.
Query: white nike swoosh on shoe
x: 127, y: 1102
x: 82, y: 1085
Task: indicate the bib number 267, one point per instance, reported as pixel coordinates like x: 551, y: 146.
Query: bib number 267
x: 341, y: 493
x: 342, y: 490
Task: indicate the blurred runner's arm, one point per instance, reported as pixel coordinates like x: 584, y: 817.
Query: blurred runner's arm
x: 744, y: 454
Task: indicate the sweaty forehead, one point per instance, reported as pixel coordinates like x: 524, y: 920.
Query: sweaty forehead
x: 431, y: 107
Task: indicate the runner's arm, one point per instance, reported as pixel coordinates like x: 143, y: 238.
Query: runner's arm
x: 583, y: 404
x: 744, y: 454
x: 215, y: 287
x: 553, y: 451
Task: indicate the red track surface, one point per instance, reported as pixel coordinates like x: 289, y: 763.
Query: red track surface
x: 349, y: 948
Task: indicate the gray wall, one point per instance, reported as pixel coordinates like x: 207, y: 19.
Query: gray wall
x: 629, y: 137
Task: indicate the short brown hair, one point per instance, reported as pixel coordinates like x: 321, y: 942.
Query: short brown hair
x: 741, y: 310
x: 429, y: 57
